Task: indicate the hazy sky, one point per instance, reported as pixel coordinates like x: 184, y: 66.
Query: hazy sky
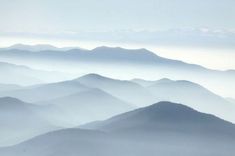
x: 169, y: 27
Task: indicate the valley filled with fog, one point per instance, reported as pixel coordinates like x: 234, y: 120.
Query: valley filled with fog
x: 117, y: 78
x: 112, y: 101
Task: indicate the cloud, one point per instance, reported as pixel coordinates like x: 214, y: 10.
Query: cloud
x: 190, y: 37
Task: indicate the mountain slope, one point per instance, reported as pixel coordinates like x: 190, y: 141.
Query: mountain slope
x: 37, y: 48
x: 194, y: 95
x: 87, y: 106
x: 164, y: 128
x: 20, y: 121
x: 142, y: 94
x: 147, y: 83
x: 123, y: 63
x: 45, y: 92
x: 98, y: 54
x: 124, y: 90
x: 26, y: 75
x: 167, y: 116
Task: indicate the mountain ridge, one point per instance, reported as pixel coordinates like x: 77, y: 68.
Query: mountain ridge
x: 143, y: 132
x: 37, y: 47
x: 165, y: 116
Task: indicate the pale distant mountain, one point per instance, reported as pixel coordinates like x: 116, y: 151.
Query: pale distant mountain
x: 48, y: 91
x: 23, y: 75
x: 145, y: 93
x: 20, y: 121
x: 164, y: 128
x: 118, y: 54
x: 70, y: 103
x: 97, y: 55
x: 86, y: 106
x: 194, y: 95
x: 123, y: 63
x: 147, y: 83
x: 38, y: 47
x: 124, y: 90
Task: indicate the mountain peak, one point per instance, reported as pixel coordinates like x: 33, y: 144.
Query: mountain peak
x: 169, y: 107
x: 105, y: 48
x: 119, y: 50
x: 159, y: 111
x: 164, y: 80
x: 10, y: 102
x: 38, y: 47
x: 10, y: 99
x: 163, y: 114
x: 92, y: 76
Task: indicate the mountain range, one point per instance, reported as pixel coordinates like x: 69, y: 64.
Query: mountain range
x: 112, y: 102
x: 83, y: 107
x: 195, y: 95
x: 164, y: 128
x: 192, y: 94
x: 26, y: 75
x: 122, y: 89
x: 123, y: 64
x: 20, y: 121
x: 38, y: 47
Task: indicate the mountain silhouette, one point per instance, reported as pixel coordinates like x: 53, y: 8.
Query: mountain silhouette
x: 164, y: 128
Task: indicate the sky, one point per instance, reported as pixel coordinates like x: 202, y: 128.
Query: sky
x: 195, y: 31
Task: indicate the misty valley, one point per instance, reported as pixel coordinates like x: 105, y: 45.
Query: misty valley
x: 112, y: 102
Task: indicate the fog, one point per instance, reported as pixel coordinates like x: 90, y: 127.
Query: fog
x: 72, y: 64
x: 140, y: 132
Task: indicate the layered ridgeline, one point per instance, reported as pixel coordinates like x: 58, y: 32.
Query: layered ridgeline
x: 82, y: 107
x: 23, y: 75
x: 20, y: 121
x: 43, y: 92
x: 165, y: 117
x: 125, y: 90
x: 137, y: 93
x: 38, y: 47
x: 120, y: 63
x: 163, y: 128
x: 195, y: 95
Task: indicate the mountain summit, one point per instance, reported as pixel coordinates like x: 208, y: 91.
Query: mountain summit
x: 164, y: 117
